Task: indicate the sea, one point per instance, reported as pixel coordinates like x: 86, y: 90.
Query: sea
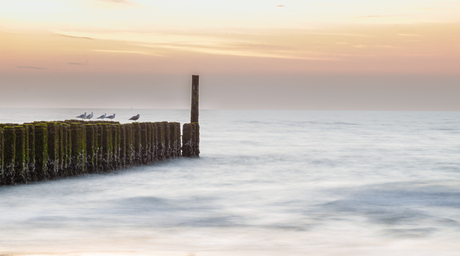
x: 267, y: 183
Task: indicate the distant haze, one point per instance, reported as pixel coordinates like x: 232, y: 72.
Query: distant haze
x: 315, y: 55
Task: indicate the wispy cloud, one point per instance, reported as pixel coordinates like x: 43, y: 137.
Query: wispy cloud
x: 116, y: 1
x: 126, y: 51
x: 31, y: 67
x: 76, y: 37
x: 76, y: 63
x: 379, y: 16
x: 280, y: 5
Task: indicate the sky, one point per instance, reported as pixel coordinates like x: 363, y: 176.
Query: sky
x: 253, y: 54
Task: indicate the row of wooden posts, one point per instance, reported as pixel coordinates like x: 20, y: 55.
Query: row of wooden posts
x: 51, y: 150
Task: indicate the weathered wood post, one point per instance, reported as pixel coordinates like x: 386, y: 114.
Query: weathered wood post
x: 144, y: 157
x: 99, y: 156
x: 90, y: 148
x: 41, y: 151
x: 9, y: 137
x: 30, y: 147
x: 65, y: 149
x: 187, y: 140
x: 1, y: 157
x: 53, y: 150
x: 195, y: 94
x: 78, y: 149
x: 137, y: 144
x: 20, y: 160
x: 191, y: 132
x: 107, y: 147
x: 115, y: 146
x: 167, y: 140
x: 122, y: 146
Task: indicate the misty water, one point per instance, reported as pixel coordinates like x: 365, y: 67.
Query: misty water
x: 267, y: 183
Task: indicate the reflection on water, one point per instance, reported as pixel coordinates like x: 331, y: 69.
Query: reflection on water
x: 268, y: 183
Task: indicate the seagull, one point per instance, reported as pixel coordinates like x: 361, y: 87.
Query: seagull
x: 103, y: 116
x: 111, y: 117
x: 89, y: 116
x: 82, y: 116
x: 135, y: 117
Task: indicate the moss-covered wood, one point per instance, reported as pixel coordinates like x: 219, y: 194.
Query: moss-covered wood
x: 41, y: 151
x: 122, y: 150
x: 50, y: 150
x: 78, y: 157
x: 9, y: 138
x: 115, y: 145
x: 137, y: 144
x: 99, y: 156
x: 65, y: 149
x: 53, y: 150
x: 1, y: 157
x: 30, y: 148
x: 143, y: 152
x: 20, y: 157
x: 107, y: 146
x: 91, y: 148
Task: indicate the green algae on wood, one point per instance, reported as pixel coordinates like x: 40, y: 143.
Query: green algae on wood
x: 77, y: 163
x: 90, y: 148
x: 53, y: 150
x: 122, y: 145
x: 143, y: 143
x: 115, y: 145
x: 41, y: 151
x: 65, y: 149
x: 20, y: 159
x: 9, y: 140
x: 107, y: 146
x: 30, y: 146
x: 1, y: 157
x: 137, y: 144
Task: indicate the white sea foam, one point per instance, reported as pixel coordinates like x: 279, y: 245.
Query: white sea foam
x: 267, y: 183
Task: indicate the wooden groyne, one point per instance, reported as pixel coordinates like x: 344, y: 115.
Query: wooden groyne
x: 41, y: 151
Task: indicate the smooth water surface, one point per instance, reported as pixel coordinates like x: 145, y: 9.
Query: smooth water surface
x: 267, y: 183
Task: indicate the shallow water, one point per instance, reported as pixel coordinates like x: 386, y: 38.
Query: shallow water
x: 267, y: 183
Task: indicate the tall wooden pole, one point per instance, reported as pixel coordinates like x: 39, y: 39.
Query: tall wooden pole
x: 195, y: 93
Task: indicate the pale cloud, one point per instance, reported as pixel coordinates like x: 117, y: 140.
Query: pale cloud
x: 117, y: 1
x: 32, y: 67
x: 76, y: 63
x: 127, y: 52
x: 379, y: 16
x: 75, y: 37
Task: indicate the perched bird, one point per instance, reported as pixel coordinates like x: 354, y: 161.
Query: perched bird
x: 111, y: 117
x: 89, y: 116
x: 135, y: 117
x: 103, y: 116
x: 82, y: 116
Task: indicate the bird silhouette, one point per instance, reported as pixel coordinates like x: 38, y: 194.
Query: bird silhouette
x: 82, y: 116
x: 89, y: 116
x: 103, y: 116
x: 135, y: 117
x: 111, y: 116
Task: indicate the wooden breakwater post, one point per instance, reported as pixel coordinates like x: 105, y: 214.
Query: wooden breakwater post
x: 191, y: 131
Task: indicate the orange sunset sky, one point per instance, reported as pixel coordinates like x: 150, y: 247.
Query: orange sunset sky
x: 318, y: 55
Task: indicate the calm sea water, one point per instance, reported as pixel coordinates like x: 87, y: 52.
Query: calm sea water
x: 267, y: 183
